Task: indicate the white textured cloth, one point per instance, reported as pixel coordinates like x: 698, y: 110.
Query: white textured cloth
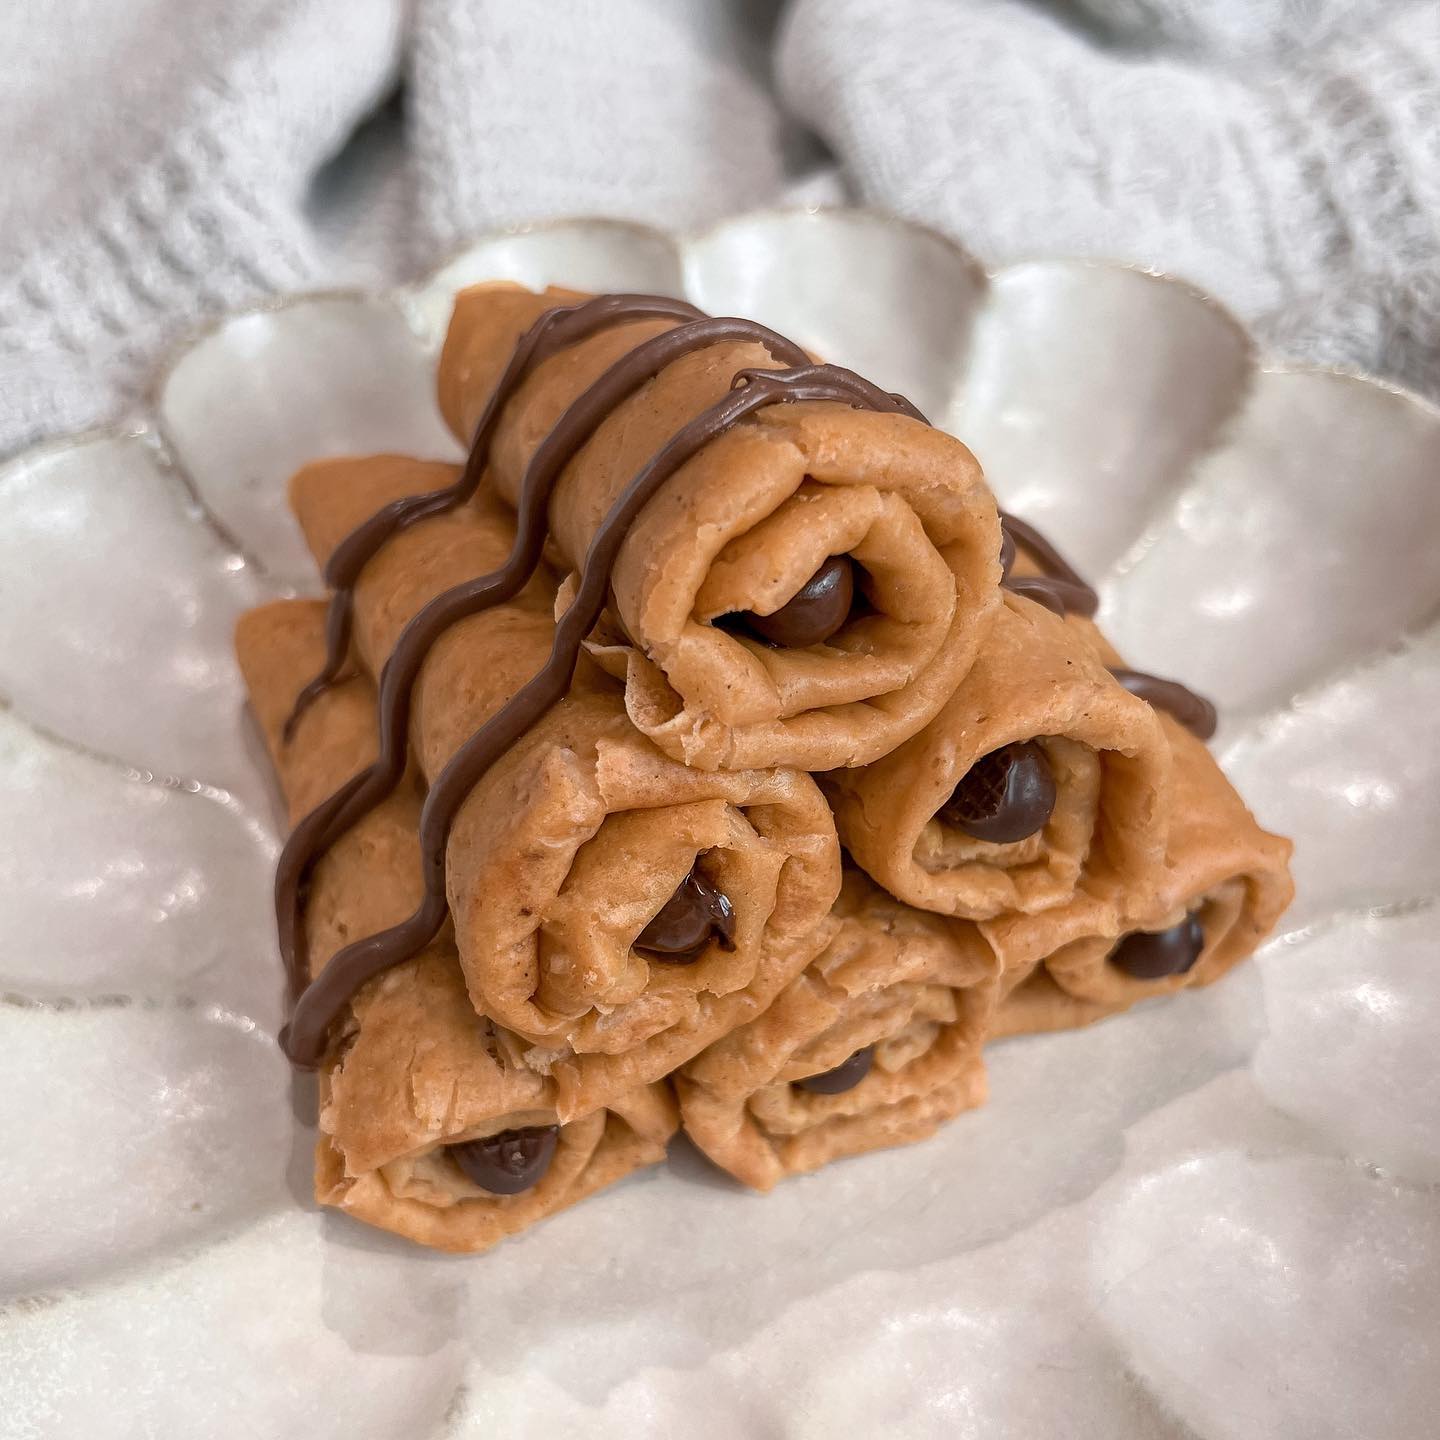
x: 1298, y: 183
x: 157, y: 161
x: 171, y: 159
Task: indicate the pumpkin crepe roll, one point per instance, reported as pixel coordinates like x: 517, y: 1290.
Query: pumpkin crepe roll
x: 616, y: 909
x: 875, y: 1044
x: 1042, y: 785
x: 431, y: 1125
x: 1224, y: 884
x: 806, y: 590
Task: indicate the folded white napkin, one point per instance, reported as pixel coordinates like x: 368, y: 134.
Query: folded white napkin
x: 168, y: 161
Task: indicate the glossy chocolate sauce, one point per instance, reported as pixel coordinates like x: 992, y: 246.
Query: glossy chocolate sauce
x: 1061, y: 588
x: 553, y: 331
x: 318, y: 1003
x: 1064, y: 591
x: 328, y: 994
x: 324, y: 825
x: 1193, y: 711
x: 686, y: 925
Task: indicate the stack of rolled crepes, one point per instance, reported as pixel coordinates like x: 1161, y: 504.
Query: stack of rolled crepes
x: 573, y: 750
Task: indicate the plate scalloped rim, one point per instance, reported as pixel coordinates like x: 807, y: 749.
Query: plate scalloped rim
x: 1200, y: 1119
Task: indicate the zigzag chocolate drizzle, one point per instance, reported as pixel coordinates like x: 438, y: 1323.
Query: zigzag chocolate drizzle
x: 325, y: 997
x: 318, y: 1003
x: 325, y: 824
x: 1197, y: 714
x: 1062, y: 589
x: 553, y: 331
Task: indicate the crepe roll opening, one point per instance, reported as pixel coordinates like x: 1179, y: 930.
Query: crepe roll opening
x: 457, y: 1169
x: 739, y: 531
x: 709, y: 685
x: 1040, y: 784
x: 580, y: 839
x: 877, y: 547
x: 916, y: 1037
x: 428, y: 1197
x: 592, y: 946
x: 1191, y: 942
x: 874, y: 1044
x: 1225, y: 885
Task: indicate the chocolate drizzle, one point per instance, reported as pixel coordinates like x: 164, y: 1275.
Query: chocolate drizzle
x: 1061, y: 588
x: 324, y: 825
x: 553, y: 331
x: 319, y: 1002
x: 1064, y: 591
x: 327, y: 995
x: 1193, y: 711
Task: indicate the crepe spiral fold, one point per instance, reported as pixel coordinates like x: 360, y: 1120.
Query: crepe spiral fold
x: 414, y: 1070
x: 913, y: 992
x: 740, y: 528
x: 577, y: 836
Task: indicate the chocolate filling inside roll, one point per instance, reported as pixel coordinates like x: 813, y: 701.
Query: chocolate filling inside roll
x: 731, y: 629
x: 875, y: 1043
x: 414, y: 1076
x: 1040, y: 784
x: 582, y: 835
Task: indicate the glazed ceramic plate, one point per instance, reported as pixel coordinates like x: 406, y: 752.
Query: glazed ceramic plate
x: 1214, y: 1216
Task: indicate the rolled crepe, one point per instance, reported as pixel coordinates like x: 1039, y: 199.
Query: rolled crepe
x: 1031, y: 1002
x: 741, y: 528
x: 574, y: 841
x: 916, y: 991
x: 1033, y: 680
x: 413, y: 1070
x: 1038, y: 1006
x: 1220, y: 867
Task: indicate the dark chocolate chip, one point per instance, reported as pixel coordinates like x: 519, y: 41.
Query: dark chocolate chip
x: 1151, y: 955
x: 510, y: 1162
x: 688, y: 920
x: 843, y: 1077
x: 813, y: 614
x: 1004, y: 796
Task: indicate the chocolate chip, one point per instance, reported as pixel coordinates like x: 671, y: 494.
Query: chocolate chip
x: 510, y: 1162
x: 1004, y: 796
x: 843, y: 1077
x: 688, y: 920
x: 1151, y: 955
x: 813, y: 614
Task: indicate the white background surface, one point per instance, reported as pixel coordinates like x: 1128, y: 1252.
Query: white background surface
x: 1215, y: 1216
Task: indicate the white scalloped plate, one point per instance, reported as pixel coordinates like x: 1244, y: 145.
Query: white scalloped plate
x: 1213, y: 1216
